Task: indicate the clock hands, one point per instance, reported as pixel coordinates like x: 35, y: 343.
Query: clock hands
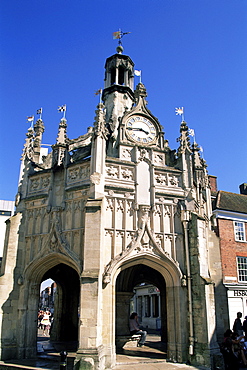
x: 138, y: 129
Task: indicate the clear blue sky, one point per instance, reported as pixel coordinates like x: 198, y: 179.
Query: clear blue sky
x: 192, y: 53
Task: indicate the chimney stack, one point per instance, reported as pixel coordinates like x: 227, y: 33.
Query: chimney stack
x: 243, y: 188
x: 213, y: 183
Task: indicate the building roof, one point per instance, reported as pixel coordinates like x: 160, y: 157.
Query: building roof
x: 7, y: 205
x: 231, y: 202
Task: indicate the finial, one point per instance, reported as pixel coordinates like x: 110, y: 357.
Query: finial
x: 118, y: 36
x: 120, y: 49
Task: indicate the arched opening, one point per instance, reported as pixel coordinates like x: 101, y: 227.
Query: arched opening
x: 146, y: 302
x: 136, y: 289
x: 121, y: 72
x: 113, y: 76
x: 47, y: 299
x: 63, y: 305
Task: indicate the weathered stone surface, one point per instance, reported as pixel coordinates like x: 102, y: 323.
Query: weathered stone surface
x: 103, y: 213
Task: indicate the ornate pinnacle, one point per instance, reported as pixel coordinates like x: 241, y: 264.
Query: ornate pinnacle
x: 99, y: 123
x: 28, y: 146
x: 62, y: 137
x: 140, y: 90
x: 141, y: 94
x: 38, y: 129
x: 184, y: 138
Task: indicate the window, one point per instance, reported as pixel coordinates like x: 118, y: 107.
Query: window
x: 121, y: 75
x: 147, y: 305
x: 239, y: 231
x: 113, y: 76
x: 242, y: 268
x: 139, y: 307
x: 155, y: 305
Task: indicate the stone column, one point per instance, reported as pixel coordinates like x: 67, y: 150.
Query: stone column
x: 29, y: 317
x: 90, y: 327
x: 123, y: 312
x: 9, y: 292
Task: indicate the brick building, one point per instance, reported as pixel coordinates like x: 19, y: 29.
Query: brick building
x: 230, y: 210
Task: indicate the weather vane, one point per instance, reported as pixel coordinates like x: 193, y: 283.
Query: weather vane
x: 119, y: 35
x: 180, y: 112
x: 62, y: 108
x: 30, y: 119
x: 40, y: 111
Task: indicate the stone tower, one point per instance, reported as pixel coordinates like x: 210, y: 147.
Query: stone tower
x: 102, y: 213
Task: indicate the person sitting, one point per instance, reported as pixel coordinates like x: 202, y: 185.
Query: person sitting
x: 135, y: 329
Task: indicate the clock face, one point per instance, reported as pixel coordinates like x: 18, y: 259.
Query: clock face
x: 140, y: 129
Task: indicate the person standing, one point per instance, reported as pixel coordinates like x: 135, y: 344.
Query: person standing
x: 46, y: 323
x: 237, y: 326
x: 245, y: 327
x: 40, y: 318
x: 135, y: 329
x: 232, y: 351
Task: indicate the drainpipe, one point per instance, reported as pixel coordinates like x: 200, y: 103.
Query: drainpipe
x: 185, y: 217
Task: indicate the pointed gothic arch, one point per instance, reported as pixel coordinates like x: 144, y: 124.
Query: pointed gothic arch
x: 66, y: 275
x: 38, y: 267
x: 167, y: 277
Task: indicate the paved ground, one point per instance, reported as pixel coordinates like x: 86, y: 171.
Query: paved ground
x: 155, y: 366
x: 150, y: 357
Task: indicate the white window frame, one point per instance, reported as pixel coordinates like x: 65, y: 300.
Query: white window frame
x: 242, y: 269
x: 239, y: 231
x: 147, y: 300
